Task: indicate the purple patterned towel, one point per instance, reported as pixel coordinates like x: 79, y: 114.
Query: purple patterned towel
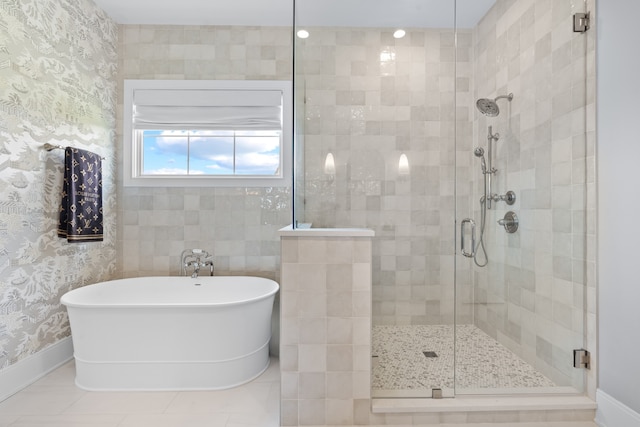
x: 81, y: 210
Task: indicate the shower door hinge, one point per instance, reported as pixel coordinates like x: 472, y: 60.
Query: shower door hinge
x: 581, y: 359
x: 581, y: 22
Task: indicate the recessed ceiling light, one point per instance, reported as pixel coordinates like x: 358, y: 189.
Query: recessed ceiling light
x: 399, y: 33
x: 302, y: 34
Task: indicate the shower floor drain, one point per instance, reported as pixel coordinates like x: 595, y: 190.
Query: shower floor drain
x: 430, y: 354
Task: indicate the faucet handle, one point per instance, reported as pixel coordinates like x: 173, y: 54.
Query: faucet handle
x: 209, y: 262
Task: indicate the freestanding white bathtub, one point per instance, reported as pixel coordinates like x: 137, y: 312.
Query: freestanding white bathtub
x: 171, y: 333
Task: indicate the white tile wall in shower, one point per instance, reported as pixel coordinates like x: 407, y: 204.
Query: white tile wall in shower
x: 539, y: 280
x: 394, y: 96
x: 369, y: 99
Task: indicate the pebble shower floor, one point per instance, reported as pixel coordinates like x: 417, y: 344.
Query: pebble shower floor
x: 481, y: 362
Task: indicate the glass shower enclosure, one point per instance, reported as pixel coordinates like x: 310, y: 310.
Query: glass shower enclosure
x: 456, y: 131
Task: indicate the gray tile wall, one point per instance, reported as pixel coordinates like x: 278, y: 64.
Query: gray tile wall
x: 531, y: 296
x: 369, y: 99
x: 237, y: 224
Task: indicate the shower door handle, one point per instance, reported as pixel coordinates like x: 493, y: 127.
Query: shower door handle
x: 463, y: 224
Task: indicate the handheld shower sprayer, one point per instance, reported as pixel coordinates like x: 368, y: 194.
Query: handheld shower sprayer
x: 488, y: 107
x: 479, y: 152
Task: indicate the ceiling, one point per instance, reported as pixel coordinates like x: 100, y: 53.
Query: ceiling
x: 379, y: 13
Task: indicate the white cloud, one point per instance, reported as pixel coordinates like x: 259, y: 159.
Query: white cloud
x: 259, y: 154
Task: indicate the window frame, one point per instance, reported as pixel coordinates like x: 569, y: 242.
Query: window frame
x: 132, y: 146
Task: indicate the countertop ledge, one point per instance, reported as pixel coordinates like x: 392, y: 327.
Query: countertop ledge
x: 289, y: 231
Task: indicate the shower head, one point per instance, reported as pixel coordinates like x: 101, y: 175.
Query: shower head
x: 489, y: 107
x: 479, y: 152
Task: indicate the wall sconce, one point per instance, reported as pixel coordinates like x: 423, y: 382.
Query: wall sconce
x: 329, y: 165
x: 399, y: 33
x: 302, y: 34
x: 403, y: 165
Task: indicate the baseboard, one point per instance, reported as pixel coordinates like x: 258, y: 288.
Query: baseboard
x: 613, y: 413
x: 27, y: 371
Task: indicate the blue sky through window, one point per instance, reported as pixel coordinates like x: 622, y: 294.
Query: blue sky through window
x: 173, y: 152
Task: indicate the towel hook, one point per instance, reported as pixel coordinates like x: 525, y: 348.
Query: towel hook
x: 50, y: 147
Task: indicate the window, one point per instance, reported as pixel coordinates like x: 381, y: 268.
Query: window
x: 207, y: 133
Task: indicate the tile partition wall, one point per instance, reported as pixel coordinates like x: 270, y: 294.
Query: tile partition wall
x: 531, y: 297
x: 325, y: 336
x: 239, y: 225
x: 325, y: 345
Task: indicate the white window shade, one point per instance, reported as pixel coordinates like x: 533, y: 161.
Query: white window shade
x: 255, y: 107
x: 207, y: 109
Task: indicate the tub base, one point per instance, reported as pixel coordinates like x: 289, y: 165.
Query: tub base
x: 169, y: 375
x: 171, y: 333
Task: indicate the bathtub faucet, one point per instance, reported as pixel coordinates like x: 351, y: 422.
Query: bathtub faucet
x: 197, y: 264
x: 195, y: 258
x: 196, y: 267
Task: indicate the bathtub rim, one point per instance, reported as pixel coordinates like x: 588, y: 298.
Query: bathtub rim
x: 64, y: 299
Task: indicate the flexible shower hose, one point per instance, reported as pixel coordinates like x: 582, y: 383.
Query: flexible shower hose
x: 483, y: 218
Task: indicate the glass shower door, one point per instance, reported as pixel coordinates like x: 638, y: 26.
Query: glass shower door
x: 379, y: 153
x: 470, y: 119
x: 521, y: 198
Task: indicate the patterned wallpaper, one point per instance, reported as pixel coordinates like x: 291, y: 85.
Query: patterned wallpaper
x: 58, y: 85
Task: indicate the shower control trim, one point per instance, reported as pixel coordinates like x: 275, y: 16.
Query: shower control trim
x: 509, y: 222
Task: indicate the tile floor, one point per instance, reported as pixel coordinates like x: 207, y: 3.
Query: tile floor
x: 55, y: 401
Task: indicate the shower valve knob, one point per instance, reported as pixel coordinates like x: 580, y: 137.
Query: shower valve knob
x: 509, y: 222
x: 510, y: 197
